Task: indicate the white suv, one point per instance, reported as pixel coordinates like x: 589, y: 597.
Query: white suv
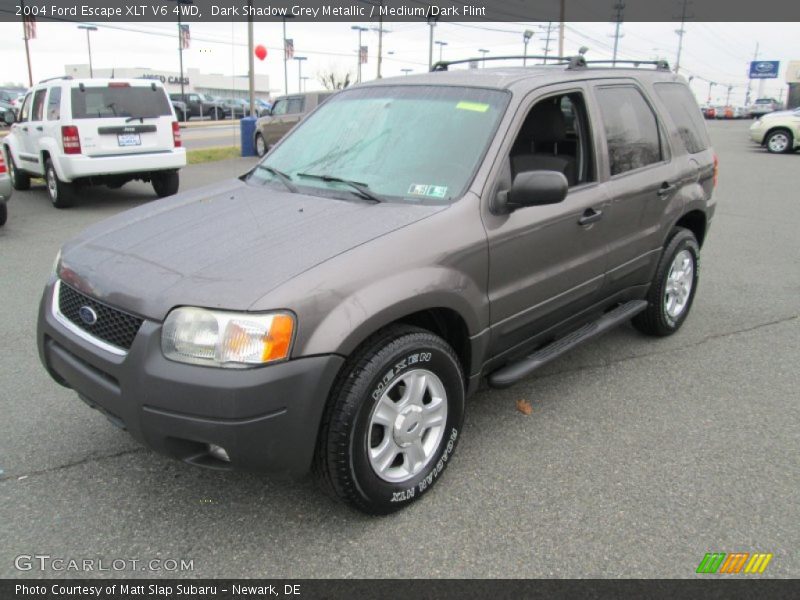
x: 74, y: 132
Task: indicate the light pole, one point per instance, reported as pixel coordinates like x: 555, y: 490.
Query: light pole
x: 285, y: 58
x: 89, y: 29
x: 304, y: 79
x: 406, y: 71
x: 711, y: 84
x: 431, y: 24
x: 359, y: 29
x: 441, y: 47
x: 483, y: 52
x: 300, y: 60
x: 180, y: 41
x: 526, y: 37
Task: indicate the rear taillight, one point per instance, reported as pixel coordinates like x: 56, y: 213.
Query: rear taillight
x: 2, y: 164
x: 716, y: 170
x: 71, y: 139
x: 176, y: 134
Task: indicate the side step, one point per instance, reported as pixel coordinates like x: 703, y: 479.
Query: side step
x: 510, y: 374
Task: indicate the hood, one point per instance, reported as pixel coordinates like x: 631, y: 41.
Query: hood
x: 223, y: 246
x: 779, y: 113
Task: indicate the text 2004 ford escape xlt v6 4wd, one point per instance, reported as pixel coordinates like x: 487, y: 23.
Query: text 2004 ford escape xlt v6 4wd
x: 333, y: 307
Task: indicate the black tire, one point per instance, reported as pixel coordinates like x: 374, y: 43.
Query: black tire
x: 20, y: 180
x: 779, y: 141
x: 260, y: 145
x: 656, y: 319
x: 61, y: 193
x: 342, y: 463
x: 3, y: 213
x: 165, y: 183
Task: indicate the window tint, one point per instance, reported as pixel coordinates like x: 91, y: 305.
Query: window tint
x: 683, y: 110
x: 631, y: 129
x: 54, y: 104
x: 295, y: 105
x: 25, y: 111
x: 38, y: 105
x: 128, y: 101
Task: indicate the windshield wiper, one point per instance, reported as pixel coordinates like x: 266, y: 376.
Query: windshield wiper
x: 283, y: 177
x: 140, y: 118
x: 361, y: 188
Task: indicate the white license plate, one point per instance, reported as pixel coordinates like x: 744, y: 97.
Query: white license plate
x: 129, y: 139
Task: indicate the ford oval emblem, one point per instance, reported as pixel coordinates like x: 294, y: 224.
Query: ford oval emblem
x: 87, y: 315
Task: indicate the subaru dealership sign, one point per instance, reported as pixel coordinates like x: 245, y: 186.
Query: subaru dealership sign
x: 764, y: 69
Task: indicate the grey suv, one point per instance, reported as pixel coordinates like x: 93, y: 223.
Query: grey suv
x: 334, y: 307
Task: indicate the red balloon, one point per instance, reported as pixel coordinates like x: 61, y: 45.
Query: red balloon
x: 261, y: 52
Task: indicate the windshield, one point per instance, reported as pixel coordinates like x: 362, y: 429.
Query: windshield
x: 408, y: 143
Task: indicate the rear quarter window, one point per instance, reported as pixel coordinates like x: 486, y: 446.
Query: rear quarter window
x: 104, y: 102
x: 685, y: 113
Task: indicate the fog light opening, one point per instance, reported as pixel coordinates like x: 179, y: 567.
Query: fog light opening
x: 219, y: 453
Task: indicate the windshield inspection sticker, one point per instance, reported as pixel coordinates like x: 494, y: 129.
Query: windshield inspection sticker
x: 430, y: 191
x: 474, y: 106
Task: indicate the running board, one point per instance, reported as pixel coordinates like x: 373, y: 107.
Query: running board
x: 511, y: 373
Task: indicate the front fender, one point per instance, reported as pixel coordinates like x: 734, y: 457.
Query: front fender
x: 360, y: 314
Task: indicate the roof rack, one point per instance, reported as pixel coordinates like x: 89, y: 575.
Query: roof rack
x: 442, y: 65
x: 660, y: 65
x: 573, y: 62
x: 54, y: 78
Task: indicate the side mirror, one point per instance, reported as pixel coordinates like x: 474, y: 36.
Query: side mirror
x: 533, y: 188
x: 9, y: 117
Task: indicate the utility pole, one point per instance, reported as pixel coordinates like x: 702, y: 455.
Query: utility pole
x: 547, y: 41
x: 285, y: 59
x: 380, y: 37
x: 89, y: 29
x: 25, y: 31
x: 300, y: 60
x: 483, y: 52
x: 728, y: 97
x: 441, y: 45
x: 562, y: 16
x: 620, y: 8
x: 711, y: 84
x: 360, y: 30
x: 681, y: 31
x: 251, y: 83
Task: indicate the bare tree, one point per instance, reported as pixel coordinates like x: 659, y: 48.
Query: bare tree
x: 334, y: 79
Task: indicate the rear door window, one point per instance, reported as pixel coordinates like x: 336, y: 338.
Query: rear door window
x: 54, y: 104
x: 295, y: 106
x: 683, y: 110
x: 632, y: 135
x: 38, y: 105
x: 108, y: 102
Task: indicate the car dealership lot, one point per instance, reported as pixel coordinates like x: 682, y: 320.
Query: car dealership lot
x: 639, y: 456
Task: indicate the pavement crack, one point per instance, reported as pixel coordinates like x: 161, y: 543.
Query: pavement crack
x: 77, y: 463
x: 708, y: 338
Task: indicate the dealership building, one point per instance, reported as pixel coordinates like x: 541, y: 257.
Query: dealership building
x: 223, y: 86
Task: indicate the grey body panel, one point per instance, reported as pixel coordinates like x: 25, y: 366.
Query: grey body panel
x: 5, y: 188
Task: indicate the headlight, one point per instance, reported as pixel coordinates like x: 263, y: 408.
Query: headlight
x: 226, y: 339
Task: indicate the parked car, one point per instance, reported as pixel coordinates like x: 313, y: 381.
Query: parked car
x: 181, y: 110
x: 286, y: 112
x: 763, y: 106
x: 5, y: 190
x: 7, y: 112
x: 202, y: 106
x: 76, y: 132
x: 778, y: 132
x: 237, y: 107
x: 263, y: 107
x: 413, y: 236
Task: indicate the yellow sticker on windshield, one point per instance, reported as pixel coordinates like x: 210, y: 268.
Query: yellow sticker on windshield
x: 474, y: 106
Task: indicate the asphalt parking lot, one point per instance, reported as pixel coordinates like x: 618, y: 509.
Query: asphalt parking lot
x: 640, y: 455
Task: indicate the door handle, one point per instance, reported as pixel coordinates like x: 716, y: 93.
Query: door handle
x: 590, y: 215
x: 666, y: 188
x: 39, y: 128
x: 24, y: 129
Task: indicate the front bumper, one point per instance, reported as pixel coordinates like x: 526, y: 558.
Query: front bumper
x: 75, y: 167
x: 265, y: 418
x: 757, y: 133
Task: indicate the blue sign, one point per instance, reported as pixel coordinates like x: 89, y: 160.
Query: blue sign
x: 764, y: 69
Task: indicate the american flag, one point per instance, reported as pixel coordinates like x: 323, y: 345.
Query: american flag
x: 186, y: 37
x: 288, y: 48
x: 362, y: 57
x: 29, y: 27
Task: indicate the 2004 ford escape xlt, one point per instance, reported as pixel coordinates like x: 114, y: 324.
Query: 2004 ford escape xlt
x: 333, y: 308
